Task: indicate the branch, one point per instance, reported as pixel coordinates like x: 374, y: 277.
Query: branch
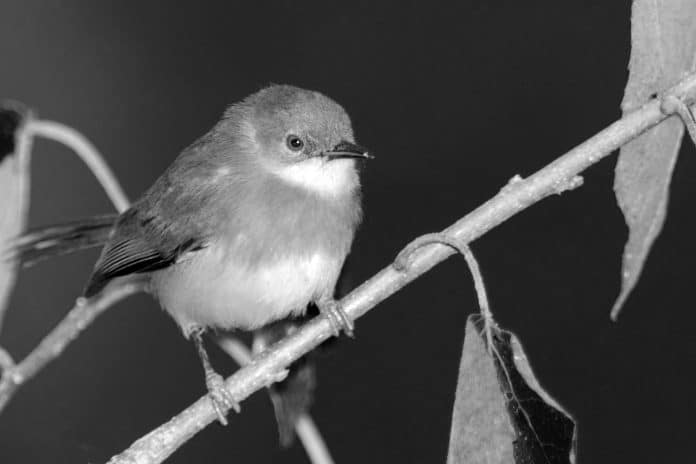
x: 401, y: 264
x: 87, y: 152
x: 84, y: 311
x: 306, y: 430
x: 555, y: 178
x: 79, y: 317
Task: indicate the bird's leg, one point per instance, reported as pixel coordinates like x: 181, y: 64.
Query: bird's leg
x: 337, y: 316
x: 221, y: 398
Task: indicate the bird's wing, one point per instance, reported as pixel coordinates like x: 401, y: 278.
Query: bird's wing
x: 170, y: 219
x: 136, y: 247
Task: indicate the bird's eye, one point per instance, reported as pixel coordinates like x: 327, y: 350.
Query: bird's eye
x: 294, y: 143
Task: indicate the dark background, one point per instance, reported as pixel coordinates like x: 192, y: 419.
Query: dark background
x: 453, y: 101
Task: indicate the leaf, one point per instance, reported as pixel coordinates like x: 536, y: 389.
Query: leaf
x: 14, y: 189
x: 501, y: 414
x: 663, y: 47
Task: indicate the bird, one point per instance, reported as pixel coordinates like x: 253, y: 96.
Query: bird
x: 248, y: 225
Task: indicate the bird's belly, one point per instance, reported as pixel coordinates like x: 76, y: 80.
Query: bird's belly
x: 211, y: 290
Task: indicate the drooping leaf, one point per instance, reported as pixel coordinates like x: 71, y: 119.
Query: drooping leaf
x: 663, y: 47
x: 501, y: 414
x: 14, y: 189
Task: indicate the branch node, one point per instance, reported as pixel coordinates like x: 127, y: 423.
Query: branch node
x: 15, y: 376
x: 403, y: 259
x: 511, y: 184
x: 671, y: 104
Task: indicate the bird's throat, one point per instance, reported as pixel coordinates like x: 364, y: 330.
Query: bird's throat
x: 326, y: 178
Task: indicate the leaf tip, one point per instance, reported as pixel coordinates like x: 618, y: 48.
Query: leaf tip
x: 616, y: 309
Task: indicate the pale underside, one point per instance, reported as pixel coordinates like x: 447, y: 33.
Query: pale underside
x: 214, y: 287
x: 210, y: 289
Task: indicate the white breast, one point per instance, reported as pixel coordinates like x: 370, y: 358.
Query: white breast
x: 211, y: 290
x: 328, y: 178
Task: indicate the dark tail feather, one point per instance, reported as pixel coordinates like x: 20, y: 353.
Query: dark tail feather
x: 293, y: 396
x: 45, y: 242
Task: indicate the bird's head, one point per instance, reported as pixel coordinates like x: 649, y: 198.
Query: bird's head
x: 302, y: 137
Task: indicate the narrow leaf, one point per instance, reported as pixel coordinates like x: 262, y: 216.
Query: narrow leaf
x: 14, y: 190
x: 663, y: 46
x: 501, y: 413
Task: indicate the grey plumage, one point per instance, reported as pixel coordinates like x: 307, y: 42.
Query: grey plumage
x: 225, y: 189
x: 248, y: 225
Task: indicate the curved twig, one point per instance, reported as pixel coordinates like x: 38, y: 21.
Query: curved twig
x: 401, y: 264
x: 87, y: 152
x: 84, y: 311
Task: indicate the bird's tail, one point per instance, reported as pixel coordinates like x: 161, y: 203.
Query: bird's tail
x: 46, y: 242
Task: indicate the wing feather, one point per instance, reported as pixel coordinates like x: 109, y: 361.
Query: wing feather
x: 135, y: 249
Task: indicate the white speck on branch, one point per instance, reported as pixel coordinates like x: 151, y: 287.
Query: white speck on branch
x: 157, y: 445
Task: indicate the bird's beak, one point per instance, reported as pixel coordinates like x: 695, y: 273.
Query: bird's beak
x: 347, y: 150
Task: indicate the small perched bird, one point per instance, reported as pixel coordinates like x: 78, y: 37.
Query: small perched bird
x: 248, y: 225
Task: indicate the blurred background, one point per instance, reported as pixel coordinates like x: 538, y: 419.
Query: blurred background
x: 453, y: 101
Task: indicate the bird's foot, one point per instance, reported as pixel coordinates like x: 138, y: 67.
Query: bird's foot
x: 337, y: 317
x: 220, y: 396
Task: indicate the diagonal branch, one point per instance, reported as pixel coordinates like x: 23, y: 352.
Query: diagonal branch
x: 555, y: 178
x: 306, y: 430
x: 79, y: 317
x: 85, y: 311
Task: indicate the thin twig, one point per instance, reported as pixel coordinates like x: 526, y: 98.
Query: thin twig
x: 560, y: 175
x: 84, y: 311
x: 6, y: 361
x: 306, y: 430
x: 79, y: 317
x: 402, y: 262
x: 87, y: 152
x: 310, y: 437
